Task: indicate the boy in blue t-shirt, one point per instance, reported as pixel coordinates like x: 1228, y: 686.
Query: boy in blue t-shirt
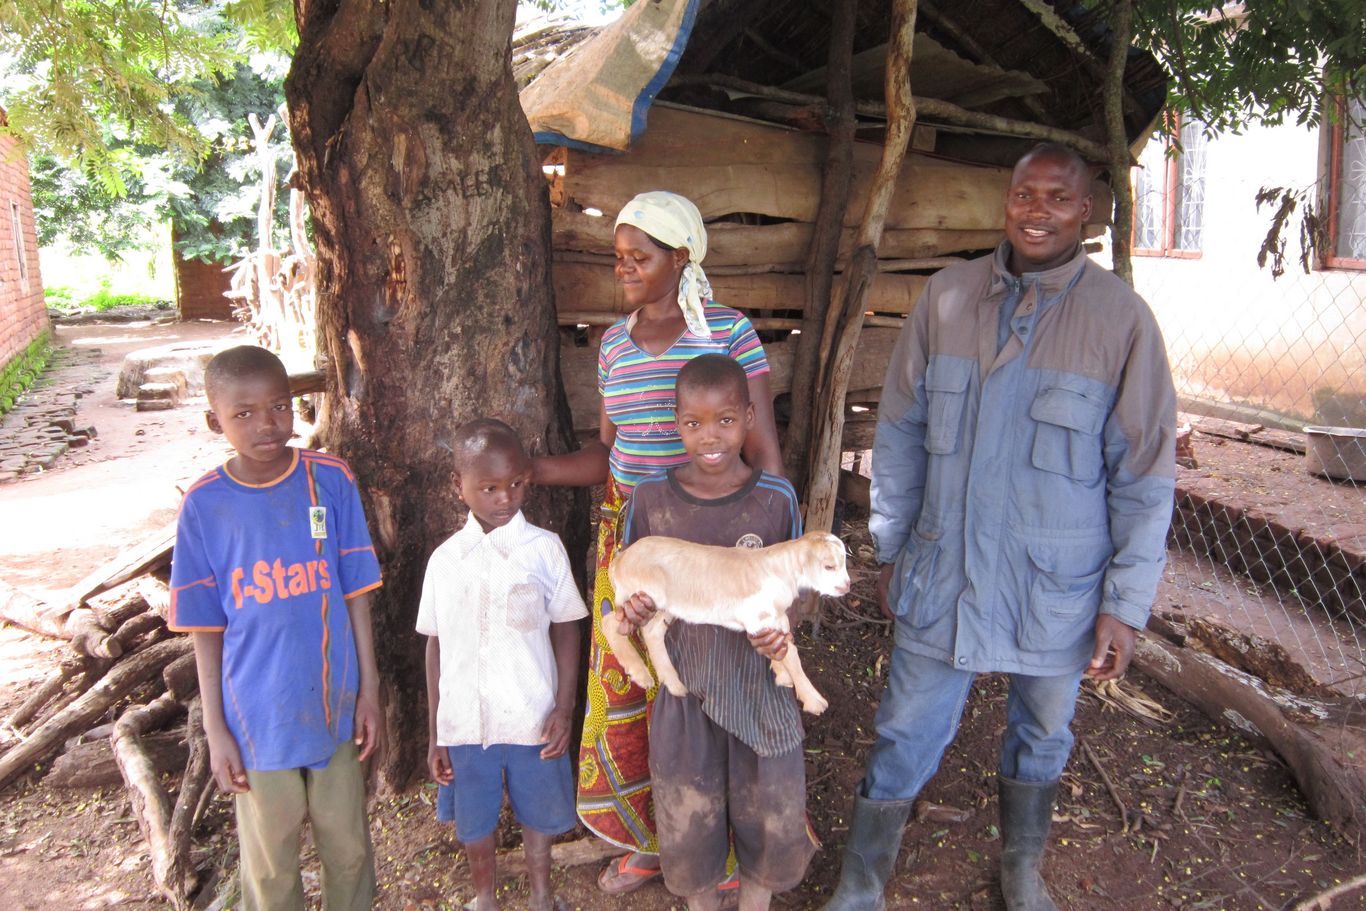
x: 272, y: 574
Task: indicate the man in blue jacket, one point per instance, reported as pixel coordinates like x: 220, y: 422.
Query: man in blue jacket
x: 1023, y: 474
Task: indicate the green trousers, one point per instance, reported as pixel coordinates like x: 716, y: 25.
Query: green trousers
x: 270, y: 818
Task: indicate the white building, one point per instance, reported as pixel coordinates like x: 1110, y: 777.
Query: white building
x: 1293, y: 347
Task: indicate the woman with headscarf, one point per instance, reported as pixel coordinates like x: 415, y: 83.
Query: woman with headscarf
x: 660, y: 243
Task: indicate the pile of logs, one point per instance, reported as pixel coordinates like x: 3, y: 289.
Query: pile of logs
x: 122, y: 704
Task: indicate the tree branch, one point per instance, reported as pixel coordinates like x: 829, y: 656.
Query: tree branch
x: 933, y: 108
x: 1121, y: 227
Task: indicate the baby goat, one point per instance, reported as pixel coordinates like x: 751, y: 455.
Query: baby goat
x: 747, y: 589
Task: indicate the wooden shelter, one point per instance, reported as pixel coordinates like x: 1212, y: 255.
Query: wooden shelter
x: 735, y: 116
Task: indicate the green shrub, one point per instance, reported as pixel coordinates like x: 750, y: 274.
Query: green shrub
x: 60, y: 296
x: 104, y: 299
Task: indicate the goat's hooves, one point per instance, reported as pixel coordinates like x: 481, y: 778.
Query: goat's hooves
x: 642, y: 680
x: 815, y: 706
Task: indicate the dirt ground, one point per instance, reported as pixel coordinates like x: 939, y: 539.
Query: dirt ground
x: 1222, y: 824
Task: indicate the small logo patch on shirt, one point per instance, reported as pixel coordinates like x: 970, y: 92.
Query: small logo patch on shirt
x: 317, y: 521
x: 750, y: 540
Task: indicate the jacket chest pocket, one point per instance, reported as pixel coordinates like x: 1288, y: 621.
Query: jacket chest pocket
x: 1067, y: 438
x: 525, y: 607
x: 946, y: 394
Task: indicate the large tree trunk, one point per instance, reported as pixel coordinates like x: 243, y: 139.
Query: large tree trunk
x: 432, y: 225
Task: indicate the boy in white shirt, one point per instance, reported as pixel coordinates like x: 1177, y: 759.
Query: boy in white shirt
x: 501, y: 613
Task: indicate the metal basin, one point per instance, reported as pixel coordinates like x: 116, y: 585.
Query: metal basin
x: 1336, y: 452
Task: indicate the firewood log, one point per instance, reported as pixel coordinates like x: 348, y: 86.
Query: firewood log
x: 127, y: 674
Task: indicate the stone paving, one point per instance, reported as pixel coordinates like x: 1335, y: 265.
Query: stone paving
x: 43, y: 426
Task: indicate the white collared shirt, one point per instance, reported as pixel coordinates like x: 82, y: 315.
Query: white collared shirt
x: 490, y: 599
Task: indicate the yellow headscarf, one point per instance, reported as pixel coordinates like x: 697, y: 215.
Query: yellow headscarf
x: 673, y: 220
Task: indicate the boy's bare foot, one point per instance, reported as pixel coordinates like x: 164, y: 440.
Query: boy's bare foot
x: 553, y: 903
x: 481, y: 903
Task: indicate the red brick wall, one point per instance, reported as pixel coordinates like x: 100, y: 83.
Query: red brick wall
x: 199, y: 290
x: 23, y: 314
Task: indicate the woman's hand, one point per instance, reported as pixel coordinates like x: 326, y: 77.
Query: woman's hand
x: 634, y: 612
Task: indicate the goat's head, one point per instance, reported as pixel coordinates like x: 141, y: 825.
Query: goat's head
x: 824, y: 560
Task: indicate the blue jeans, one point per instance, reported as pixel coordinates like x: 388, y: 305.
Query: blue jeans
x: 920, y: 712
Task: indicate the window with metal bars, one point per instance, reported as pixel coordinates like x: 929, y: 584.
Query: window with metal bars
x: 1169, y: 193
x: 17, y: 229
x: 1347, y: 187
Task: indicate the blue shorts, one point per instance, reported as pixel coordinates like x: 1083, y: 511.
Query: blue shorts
x: 541, y: 790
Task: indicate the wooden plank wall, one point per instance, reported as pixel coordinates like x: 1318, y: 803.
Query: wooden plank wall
x: 734, y: 167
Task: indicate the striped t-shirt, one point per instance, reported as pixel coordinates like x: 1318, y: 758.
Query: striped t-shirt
x: 637, y: 389
x: 718, y: 665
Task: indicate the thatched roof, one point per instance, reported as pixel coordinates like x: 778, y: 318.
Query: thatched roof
x: 1027, y: 60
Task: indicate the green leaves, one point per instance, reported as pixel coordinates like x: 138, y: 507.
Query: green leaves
x: 82, y: 77
x: 77, y: 67
x: 1270, y: 62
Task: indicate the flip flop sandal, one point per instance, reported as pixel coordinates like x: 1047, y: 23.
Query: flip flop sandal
x: 621, y: 876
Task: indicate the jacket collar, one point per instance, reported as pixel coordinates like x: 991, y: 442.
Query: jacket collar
x: 503, y: 540
x: 1050, y: 283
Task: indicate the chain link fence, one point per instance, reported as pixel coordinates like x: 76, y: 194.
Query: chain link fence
x: 1268, y: 540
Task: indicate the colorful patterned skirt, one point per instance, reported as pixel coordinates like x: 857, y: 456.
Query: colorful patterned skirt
x: 614, y: 758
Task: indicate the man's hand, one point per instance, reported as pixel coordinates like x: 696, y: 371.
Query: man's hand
x: 225, y: 759
x: 770, y: 643
x: 555, y: 732
x: 1114, y: 648
x: 884, y: 581
x: 634, y: 612
x: 439, y: 763
x: 366, y: 725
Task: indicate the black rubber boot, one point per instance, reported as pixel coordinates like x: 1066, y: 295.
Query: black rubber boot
x: 1026, y: 814
x: 869, y: 854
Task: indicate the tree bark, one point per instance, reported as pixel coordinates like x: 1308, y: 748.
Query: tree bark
x: 71, y: 667
x: 23, y: 610
x: 1121, y: 228
x: 858, y: 275
x: 432, y: 226
x: 92, y: 765
x: 1323, y: 756
x: 836, y: 177
x: 171, y: 867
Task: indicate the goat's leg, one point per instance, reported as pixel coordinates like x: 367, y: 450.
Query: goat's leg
x: 811, y: 700
x: 765, y: 623
x: 780, y: 674
x: 625, y: 652
x: 653, y: 634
